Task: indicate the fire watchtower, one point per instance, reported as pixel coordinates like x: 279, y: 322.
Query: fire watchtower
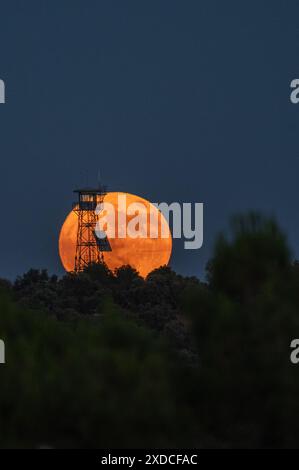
x: 89, y: 248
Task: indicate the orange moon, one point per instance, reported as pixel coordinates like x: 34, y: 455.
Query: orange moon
x: 143, y: 254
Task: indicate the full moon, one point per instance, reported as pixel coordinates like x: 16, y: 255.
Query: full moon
x: 143, y: 254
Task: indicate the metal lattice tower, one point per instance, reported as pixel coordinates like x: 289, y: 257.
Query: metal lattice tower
x: 89, y: 248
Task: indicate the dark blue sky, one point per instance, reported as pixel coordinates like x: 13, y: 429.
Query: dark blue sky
x: 173, y: 100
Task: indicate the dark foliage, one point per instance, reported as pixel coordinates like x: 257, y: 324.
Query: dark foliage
x: 155, y: 301
x: 111, y: 359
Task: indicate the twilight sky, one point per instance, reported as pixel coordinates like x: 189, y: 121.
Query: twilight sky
x: 172, y: 100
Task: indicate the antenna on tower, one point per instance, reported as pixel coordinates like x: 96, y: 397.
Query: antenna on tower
x: 102, y: 187
x: 99, y: 179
